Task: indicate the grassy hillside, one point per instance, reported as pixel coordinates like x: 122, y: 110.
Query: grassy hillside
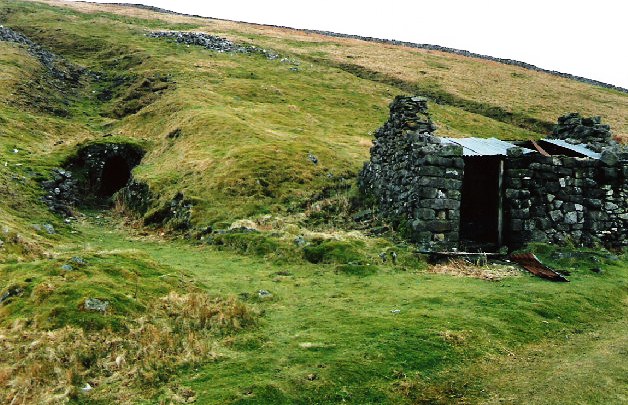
x: 304, y: 310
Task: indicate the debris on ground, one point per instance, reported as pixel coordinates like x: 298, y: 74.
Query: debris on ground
x: 464, y: 268
x: 530, y: 262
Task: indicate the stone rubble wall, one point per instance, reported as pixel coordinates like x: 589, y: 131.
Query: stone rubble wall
x: 558, y: 199
x: 414, y: 179
x: 217, y: 44
x: 575, y: 129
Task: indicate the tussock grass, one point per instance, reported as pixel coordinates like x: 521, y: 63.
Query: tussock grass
x: 55, y: 366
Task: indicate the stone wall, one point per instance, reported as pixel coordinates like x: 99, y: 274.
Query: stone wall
x: 575, y: 129
x: 414, y: 179
x: 558, y: 199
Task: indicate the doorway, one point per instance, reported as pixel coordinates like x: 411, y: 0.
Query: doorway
x: 481, y: 205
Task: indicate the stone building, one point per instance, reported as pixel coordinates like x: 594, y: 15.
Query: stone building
x: 483, y: 194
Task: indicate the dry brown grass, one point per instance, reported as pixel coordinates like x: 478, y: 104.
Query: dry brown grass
x: 462, y: 268
x: 53, y: 366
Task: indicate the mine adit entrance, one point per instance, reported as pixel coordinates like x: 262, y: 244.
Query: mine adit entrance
x: 481, y: 219
x: 115, y: 175
x: 102, y: 170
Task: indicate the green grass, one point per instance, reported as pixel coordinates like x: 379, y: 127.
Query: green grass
x: 323, y: 320
x: 330, y: 331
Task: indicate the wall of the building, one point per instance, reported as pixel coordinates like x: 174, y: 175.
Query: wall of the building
x: 558, y: 199
x: 415, y: 180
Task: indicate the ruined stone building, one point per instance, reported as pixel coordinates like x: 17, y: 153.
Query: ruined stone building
x: 473, y: 193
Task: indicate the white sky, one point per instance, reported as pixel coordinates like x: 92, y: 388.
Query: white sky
x: 584, y: 38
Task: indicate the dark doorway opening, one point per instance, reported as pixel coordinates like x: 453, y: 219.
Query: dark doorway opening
x: 115, y: 175
x: 480, y: 209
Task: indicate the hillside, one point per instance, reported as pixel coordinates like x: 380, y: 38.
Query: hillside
x: 240, y: 276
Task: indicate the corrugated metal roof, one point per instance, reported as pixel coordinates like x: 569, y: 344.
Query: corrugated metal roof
x: 578, y: 148
x: 483, y: 146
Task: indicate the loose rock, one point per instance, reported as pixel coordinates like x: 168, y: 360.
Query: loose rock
x: 94, y: 304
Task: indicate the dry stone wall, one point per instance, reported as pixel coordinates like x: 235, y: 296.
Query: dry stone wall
x: 414, y: 179
x: 575, y: 129
x: 558, y: 199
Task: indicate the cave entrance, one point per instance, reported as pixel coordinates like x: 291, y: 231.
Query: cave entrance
x: 99, y: 170
x: 481, y: 206
x: 115, y: 175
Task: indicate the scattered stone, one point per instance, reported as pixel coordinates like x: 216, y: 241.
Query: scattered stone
x: 300, y: 241
x: 78, y: 260
x: 50, y: 229
x: 87, y: 388
x: 11, y: 292
x: 312, y: 377
x: 383, y: 257
x: 393, y: 255
x: 395, y: 311
x: 67, y: 267
x: 597, y: 270
x: 312, y: 158
x: 264, y: 294
x: 94, y: 304
x: 58, y: 67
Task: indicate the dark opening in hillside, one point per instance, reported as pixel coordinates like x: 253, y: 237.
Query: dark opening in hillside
x: 115, y: 175
x: 480, y: 205
x: 101, y: 170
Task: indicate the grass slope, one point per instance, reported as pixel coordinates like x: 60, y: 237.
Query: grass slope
x: 186, y: 321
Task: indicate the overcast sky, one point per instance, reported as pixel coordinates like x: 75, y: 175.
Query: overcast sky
x: 584, y: 38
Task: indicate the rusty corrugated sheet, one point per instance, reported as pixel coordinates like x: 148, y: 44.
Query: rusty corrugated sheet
x: 531, y: 263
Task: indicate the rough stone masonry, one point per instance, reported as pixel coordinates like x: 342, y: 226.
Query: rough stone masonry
x: 416, y: 180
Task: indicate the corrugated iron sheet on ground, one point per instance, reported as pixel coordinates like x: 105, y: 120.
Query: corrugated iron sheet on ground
x: 530, y: 262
